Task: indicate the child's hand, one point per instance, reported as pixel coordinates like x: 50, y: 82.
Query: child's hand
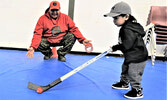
x: 30, y: 52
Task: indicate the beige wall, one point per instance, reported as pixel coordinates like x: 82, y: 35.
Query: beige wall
x: 89, y: 18
x: 18, y: 19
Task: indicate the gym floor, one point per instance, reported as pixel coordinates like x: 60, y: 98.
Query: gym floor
x: 91, y: 83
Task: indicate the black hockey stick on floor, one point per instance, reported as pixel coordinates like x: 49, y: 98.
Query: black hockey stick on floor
x: 41, y: 89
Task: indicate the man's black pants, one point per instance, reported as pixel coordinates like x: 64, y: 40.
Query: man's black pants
x: 67, y: 42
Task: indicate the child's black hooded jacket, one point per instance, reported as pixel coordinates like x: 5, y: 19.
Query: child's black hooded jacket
x: 132, y: 44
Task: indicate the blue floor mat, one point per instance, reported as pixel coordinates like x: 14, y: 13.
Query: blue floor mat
x: 92, y: 83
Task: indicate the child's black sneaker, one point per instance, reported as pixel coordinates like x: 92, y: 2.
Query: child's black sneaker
x: 120, y: 85
x: 134, y: 94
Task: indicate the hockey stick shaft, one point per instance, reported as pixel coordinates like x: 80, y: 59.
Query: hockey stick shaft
x: 59, y: 80
x: 79, y: 68
x: 85, y: 64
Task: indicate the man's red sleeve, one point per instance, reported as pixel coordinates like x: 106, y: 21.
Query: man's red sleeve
x: 73, y: 29
x: 37, y: 34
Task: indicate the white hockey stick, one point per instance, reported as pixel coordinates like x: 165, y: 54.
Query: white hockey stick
x: 41, y: 89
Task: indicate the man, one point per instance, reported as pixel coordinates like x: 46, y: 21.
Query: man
x: 55, y: 29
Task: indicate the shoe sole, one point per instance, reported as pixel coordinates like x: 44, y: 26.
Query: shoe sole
x: 120, y: 88
x: 133, y: 97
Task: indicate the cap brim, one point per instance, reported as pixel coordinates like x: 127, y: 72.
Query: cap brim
x: 111, y: 15
x: 54, y: 8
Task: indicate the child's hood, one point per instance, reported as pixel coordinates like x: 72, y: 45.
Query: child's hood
x: 136, y: 27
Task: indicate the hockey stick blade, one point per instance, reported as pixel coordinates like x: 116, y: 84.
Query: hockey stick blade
x: 32, y: 86
x: 41, y: 89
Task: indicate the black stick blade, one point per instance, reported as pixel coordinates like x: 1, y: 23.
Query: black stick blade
x: 41, y: 89
x: 33, y: 86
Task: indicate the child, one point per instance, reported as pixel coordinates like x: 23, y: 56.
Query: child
x: 132, y: 46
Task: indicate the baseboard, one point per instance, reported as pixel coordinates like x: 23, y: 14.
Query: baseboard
x: 82, y: 53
